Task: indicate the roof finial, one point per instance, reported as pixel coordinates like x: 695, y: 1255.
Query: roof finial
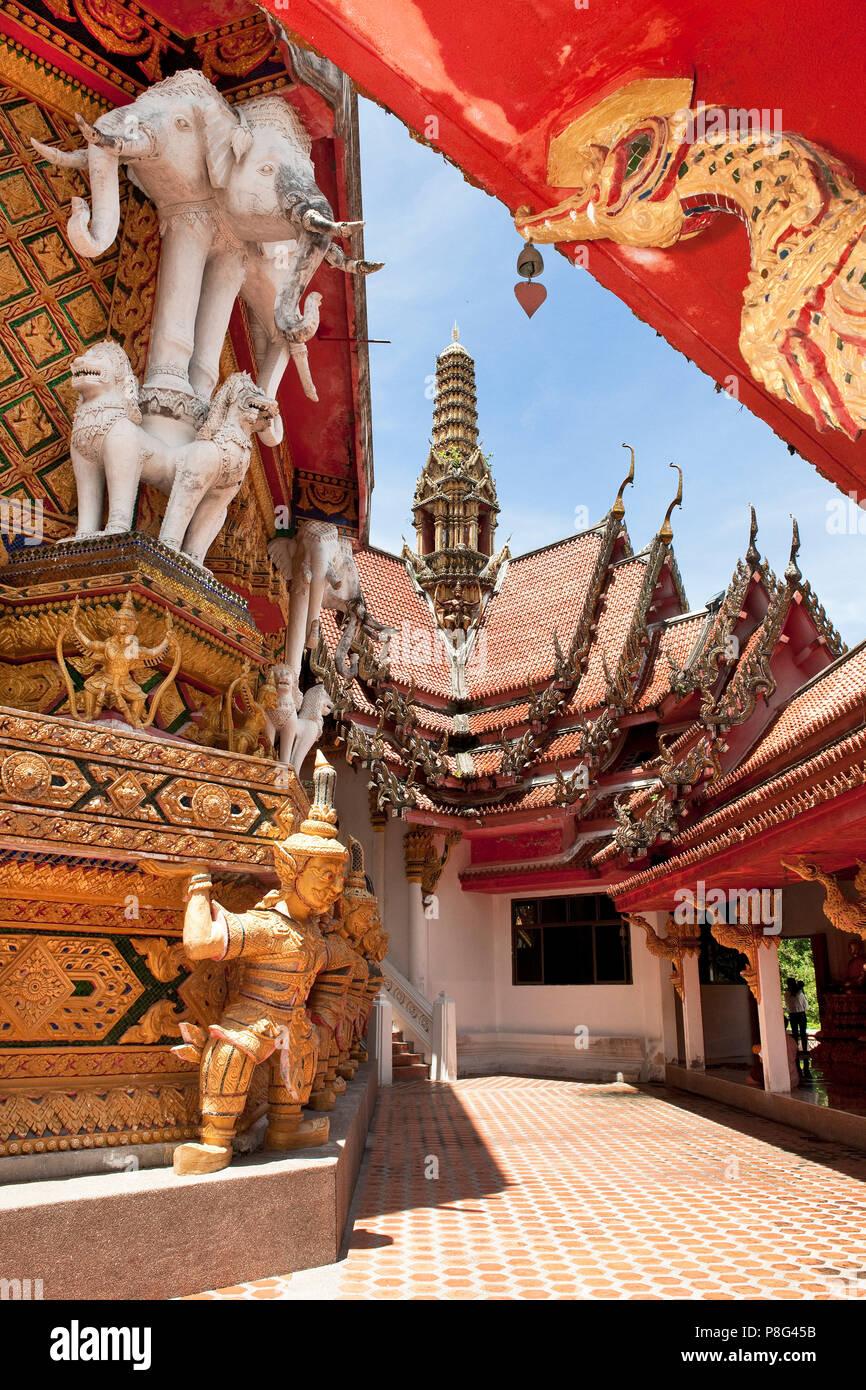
x: 666, y: 531
x: 618, y: 508
x: 792, y: 570
x: 753, y: 557
x: 455, y: 333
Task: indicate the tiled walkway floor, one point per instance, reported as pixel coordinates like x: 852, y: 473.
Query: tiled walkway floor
x: 505, y: 1187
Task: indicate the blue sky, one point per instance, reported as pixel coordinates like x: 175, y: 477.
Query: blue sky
x: 559, y: 393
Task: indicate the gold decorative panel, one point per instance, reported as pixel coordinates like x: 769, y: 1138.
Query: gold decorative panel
x: 52, y: 304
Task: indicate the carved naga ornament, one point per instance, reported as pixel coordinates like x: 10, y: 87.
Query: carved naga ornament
x: 645, y: 169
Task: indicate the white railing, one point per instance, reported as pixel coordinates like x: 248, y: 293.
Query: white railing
x: 431, y: 1025
x: 414, y: 1011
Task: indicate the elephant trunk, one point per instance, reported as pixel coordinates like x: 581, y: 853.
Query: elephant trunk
x: 92, y: 231
x: 343, y: 661
x: 294, y: 326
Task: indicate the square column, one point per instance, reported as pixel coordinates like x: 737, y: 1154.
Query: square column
x: 693, y: 1018
x: 418, y: 850
x: 774, y: 1047
x: 652, y: 975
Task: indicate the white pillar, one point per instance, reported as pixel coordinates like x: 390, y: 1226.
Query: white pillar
x: 668, y: 1012
x: 380, y: 1034
x: 443, y: 1065
x: 652, y: 978
x: 693, y: 1019
x: 774, y: 1048
x: 418, y: 939
x: 379, y: 833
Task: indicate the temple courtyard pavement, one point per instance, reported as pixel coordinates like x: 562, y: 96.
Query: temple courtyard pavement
x: 515, y: 1188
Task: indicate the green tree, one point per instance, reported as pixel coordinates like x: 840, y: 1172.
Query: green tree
x: 795, y: 958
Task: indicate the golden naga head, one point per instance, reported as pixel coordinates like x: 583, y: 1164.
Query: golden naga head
x: 619, y: 162
x: 311, y: 862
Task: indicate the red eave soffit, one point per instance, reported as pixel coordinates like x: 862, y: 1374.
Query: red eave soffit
x: 489, y: 84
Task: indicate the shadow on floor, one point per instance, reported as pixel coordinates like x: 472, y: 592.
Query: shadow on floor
x: 840, y: 1157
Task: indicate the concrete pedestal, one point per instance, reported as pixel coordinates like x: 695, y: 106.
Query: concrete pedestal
x: 149, y: 1234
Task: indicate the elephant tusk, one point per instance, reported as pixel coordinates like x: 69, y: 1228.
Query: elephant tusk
x: 316, y: 222
x: 136, y: 145
x: 302, y: 363
x: 62, y: 159
x: 364, y: 267
x: 336, y: 256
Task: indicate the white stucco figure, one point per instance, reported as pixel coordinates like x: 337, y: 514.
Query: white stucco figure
x: 240, y: 213
x: 320, y: 567
x: 281, y: 701
x: 111, y: 450
x: 315, y: 705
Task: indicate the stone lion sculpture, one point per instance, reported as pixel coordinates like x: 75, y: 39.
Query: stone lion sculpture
x: 110, y: 450
x: 315, y: 705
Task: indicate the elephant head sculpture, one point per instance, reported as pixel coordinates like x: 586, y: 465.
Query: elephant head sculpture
x: 319, y: 564
x: 240, y: 213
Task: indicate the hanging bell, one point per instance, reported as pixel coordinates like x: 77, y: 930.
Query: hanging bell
x: 529, y: 263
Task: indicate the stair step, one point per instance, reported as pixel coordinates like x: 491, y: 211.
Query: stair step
x: 417, y: 1071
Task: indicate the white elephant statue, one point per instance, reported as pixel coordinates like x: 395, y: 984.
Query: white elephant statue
x: 110, y: 449
x: 240, y: 213
x: 320, y: 566
x: 315, y: 705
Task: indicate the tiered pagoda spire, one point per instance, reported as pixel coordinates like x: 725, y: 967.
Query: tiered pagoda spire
x: 455, y: 506
x: 455, y: 412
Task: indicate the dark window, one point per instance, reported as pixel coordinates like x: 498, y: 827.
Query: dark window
x: 717, y: 964
x: 569, y: 941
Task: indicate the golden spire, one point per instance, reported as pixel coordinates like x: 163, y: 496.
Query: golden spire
x: 753, y: 558
x: 455, y: 411
x: 618, y: 508
x: 666, y: 531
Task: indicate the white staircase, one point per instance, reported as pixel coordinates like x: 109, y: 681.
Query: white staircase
x: 431, y: 1025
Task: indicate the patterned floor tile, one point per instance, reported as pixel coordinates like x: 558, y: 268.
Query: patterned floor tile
x: 507, y: 1187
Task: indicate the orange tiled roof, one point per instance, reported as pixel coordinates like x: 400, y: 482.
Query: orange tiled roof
x: 678, y: 641
x: 418, y: 653
x: 834, y: 694
x: 616, y: 617
x: 798, y: 790
x: 542, y: 592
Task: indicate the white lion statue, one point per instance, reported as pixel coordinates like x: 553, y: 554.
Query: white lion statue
x: 110, y: 450
x: 315, y: 705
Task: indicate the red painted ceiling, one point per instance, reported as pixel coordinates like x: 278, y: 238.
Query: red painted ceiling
x: 499, y: 79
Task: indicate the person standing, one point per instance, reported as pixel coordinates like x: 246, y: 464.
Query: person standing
x: 796, y: 1006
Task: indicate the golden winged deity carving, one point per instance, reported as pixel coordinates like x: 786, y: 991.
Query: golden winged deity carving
x: 109, y: 664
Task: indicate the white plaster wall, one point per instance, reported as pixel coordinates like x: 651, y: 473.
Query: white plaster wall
x: 501, y: 1026
x: 531, y: 1028
x: 727, y: 1026
x: 462, y: 946
x: 353, y: 810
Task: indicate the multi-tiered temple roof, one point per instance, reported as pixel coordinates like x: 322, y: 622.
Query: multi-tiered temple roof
x: 585, y: 723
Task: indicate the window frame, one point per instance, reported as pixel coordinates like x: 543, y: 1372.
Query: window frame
x: 609, y: 918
